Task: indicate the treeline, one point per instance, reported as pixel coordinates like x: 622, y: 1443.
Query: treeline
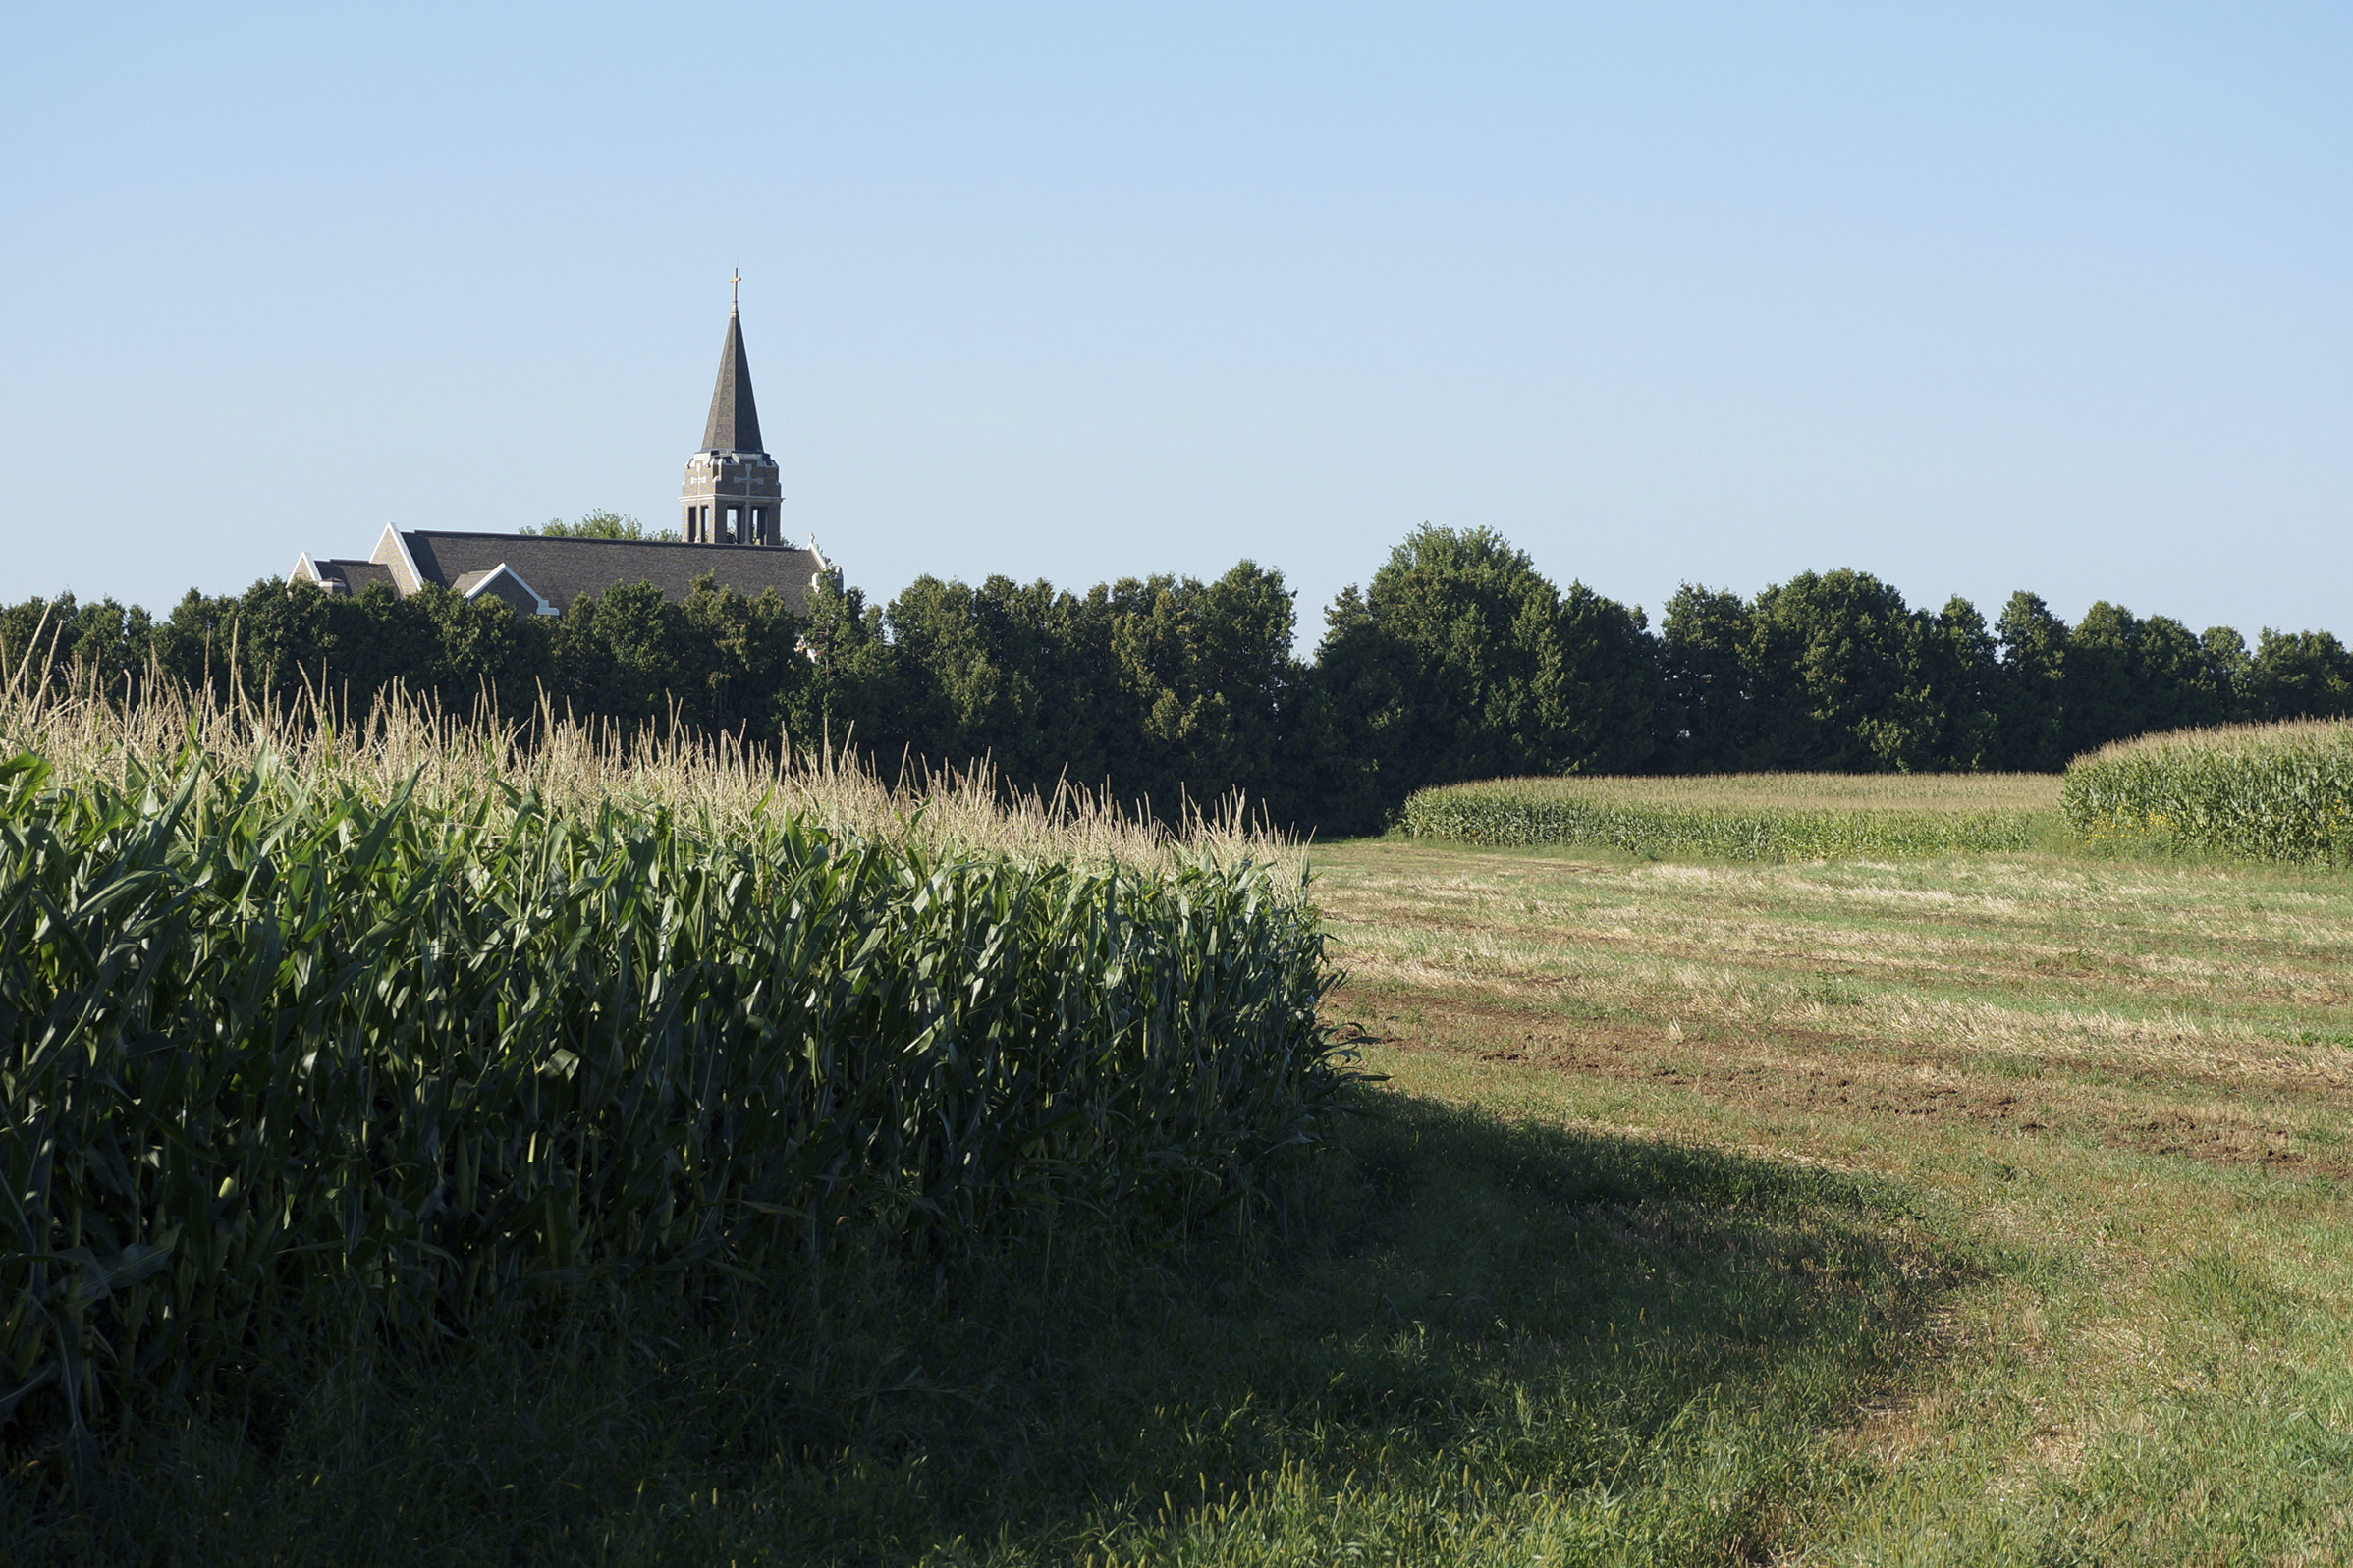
x: 1458, y: 660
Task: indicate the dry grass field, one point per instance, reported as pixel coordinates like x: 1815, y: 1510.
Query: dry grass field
x: 2118, y: 1092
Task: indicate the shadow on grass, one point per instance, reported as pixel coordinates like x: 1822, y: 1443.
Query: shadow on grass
x: 1479, y: 1336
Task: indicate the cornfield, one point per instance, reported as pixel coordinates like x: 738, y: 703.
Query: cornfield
x: 1744, y: 817
x: 315, y: 1035
x: 2268, y: 791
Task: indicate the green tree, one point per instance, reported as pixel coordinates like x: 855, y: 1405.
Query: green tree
x: 193, y: 645
x: 1608, y: 691
x: 2300, y: 674
x: 490, y: 661
x: 2100, y: 685
x: 2125, y: 677
x: 1828, y: 671
x: 741, y: 658
x: 1838, y: 678
x: 2178, y: 679
x: 1706, y: 636
x: 993, y: 673
x: 616, y: 655
x: 855, y: 692
x: 1462, y: 662
x: 375, y: 640
x: 1206, y: 684
x: 1163, y: 688
x: 2225, y: 667
x: 602, y: 525
x: 1351, y: 694
x: 68, y: 643
x: 1963, y: 672
x: 2029, y: 695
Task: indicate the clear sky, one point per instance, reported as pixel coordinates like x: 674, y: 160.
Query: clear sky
x: 1976, y: 297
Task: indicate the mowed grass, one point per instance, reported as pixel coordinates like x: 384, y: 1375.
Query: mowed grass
x: 2119, y: 1091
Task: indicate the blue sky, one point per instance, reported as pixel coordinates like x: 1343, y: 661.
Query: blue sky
x: 1975, y: 298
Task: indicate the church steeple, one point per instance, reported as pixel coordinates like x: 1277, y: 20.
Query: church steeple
x: 734, y: 423
x: 732, y: 494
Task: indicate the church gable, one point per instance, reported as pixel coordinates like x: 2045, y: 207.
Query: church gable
x: 340, y: 575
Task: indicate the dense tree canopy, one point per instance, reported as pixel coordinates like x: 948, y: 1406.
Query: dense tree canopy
x: 1458, y: 659
x: 1463, y: 661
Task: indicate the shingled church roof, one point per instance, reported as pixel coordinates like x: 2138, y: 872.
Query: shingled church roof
x: 556, y: 570
x: 561, y: 570
x: 342, y: 575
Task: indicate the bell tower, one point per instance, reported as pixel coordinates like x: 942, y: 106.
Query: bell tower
x: 733, y: 491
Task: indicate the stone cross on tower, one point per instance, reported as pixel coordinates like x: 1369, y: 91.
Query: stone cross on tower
x: 732, y: 489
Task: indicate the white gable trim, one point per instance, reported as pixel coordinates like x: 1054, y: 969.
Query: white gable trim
x: 392, y: 551
x: 502, y: 570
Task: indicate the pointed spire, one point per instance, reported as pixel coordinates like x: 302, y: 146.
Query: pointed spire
x: 734, y: 423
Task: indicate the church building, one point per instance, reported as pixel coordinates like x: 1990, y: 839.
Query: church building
x: 730, y: 527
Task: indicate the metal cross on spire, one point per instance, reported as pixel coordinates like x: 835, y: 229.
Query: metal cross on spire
x: 735, y: 291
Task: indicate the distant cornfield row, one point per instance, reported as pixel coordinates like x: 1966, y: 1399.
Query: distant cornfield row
x: 289, y: 1057
x: 2271, y: 792
x: 1743, y: 817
